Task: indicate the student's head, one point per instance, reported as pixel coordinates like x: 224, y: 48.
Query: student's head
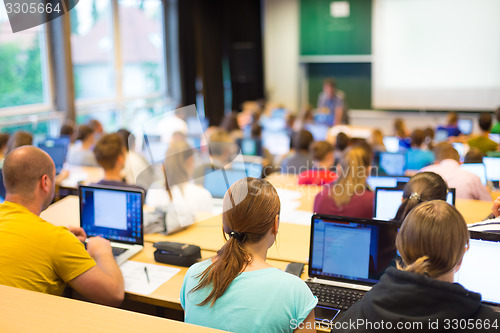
x: 96, y: 126
x: 67, y: 129
x: 19, y: 139
x: 230, y: 122
x: 417, y: 138
x: 29, y: 172
x: 400, y: 128
x: 424, y: 186
x: 341, y: 141
x: 128, y: 138
x: 178, y: 165
x: 256, y: 131
x: 352, y: 174
x: 329, y: 86
x: 474, y: 155
x: 485, y: 122
x: 433, y: 239
x: 4, y: 138
x: 85, y: 134
x: 109, y: 151
x: 322, y: 151
x: 444, y: 151
x: 377, y: 137
x: 302, y: 140
x: 452, y: 118
x: 250, y: 218
x: 220, y: 144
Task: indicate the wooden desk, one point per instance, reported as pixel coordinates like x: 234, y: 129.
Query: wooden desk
x: 85, y: 175
x: 28, y: 311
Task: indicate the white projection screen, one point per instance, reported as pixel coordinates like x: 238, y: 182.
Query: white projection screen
x: 436, y: 54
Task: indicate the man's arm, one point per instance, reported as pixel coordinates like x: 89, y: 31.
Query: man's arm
x: 102, y: 283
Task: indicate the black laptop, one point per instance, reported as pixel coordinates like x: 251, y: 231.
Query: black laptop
x: 347, y: 257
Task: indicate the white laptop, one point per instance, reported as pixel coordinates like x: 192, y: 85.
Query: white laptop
x: 114, y: 213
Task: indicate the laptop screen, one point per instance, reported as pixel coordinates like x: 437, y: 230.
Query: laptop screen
x: 477, y: 169
x: 388, y: 181
x: 388, y: 200
x: 351, y: 249
x: 492, y: 165
x: 478, y: 272
x: 392, y: 164
x: 251, y: 147
x: 391, y: 144
x: 253, y: 170
x: 217, y: 182
x: 57, y: 150
x: 112, y: 213
x: 465, y: 126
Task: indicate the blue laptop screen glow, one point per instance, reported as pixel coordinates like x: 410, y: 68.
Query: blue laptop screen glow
x: 393, y: 164
x: 382, y: 181
x: 112, y: 214
x: 477, y: 169
x: 253, y: 170
x: 492, y: 165
x: 352, y: 251
x: 217, y: 182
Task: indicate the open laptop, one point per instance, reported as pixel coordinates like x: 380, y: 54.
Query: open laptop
x: 250, y: 146
x: 392, y: 164
x: 476, y: 168
x: 57, y: 149
x: 386, y: 181
x: 347, y: 255
x: 253, y: 169
x: 478, y: 272
x: 217, y: 182
x: 492, y: 165
x: 116, y: 214
x: 388, y: 200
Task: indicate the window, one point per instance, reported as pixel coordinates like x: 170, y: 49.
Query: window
x: 22, y: 58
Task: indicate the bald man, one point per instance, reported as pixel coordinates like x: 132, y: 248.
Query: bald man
x: 39, y: 256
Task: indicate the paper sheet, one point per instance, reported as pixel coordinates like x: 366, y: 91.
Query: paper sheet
x: 136, y: 281
x: 288, y: 195
x: 296, y: 217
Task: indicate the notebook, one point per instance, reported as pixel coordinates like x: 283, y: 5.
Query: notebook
x: 388, y: 200
x: 476, y: 168
x: 57, y: 149
x: 116, y: 214
x: 348, y: 255
x: 478, y: 271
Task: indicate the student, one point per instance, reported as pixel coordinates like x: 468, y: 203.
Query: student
x: 451, y: 126
x: 474, y: 155
x: 377, y: 141
x: 237, y: 290
x: 176, y: 188
x: 110, y: 154
x: 137, y: 169
x: 482, y: 141
x: 348, y: 195
x: 320, y: 174
x: 496, y: 128
x: 80, y: 153
x: 68, y: 130
x: 35, y: 254
x: 96, y: 127
x: 4, y: 138
x: 424, y: 186
x: 447, y: 165
x: 230, y: 124
x: 341, y: 144
x: 402, y: 133
x: 19, y: 139
x: 432, y: 242
x: 416, y: 156
x: 299, y: 160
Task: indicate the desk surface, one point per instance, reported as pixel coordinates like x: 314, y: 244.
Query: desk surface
x: 27, y: 311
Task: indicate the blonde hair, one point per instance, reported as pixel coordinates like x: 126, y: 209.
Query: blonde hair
x: 174, y: 166
x: 355, y: 168
x: 432, y: 239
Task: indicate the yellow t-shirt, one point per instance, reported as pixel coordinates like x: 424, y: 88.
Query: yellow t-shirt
x: 37, y: 255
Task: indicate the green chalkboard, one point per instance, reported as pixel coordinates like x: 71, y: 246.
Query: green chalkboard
x: 354, y: 79
x: 323, y: 34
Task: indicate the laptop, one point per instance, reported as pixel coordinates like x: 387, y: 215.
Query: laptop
x: 391, y: 144
x: 476, y: 168
x: 388, y: 200
x: 114, y: 213
x: 465, y: 126
x: 386, y: 181
x: 319, y: 131
x: 217, y: 182
x: 492, y: 165
x: 249, y: 146
x: 347, y: 255
x: 392, y: 164
x: 57, y: 149
x: 252, y: 169
x: 478, y: 272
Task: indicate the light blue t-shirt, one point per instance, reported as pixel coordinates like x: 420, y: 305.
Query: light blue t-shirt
x: 260, y: 301
x: 416, y: 159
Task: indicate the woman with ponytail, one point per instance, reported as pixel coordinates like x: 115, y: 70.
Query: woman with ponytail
x: 348, y: 195
x: 423, y: 186
x: 238, y: 290
x: 432, y: 242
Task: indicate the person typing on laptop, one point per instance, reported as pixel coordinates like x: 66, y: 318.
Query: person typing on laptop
x: 432, y: 242
x: 238, y: 290
x: 39, y: 256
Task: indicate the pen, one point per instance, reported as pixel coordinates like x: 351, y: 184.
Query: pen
x: 146, y: 271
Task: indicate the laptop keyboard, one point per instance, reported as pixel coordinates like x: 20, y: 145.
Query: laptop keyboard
x: 117, y: 251
x: 335, y: 297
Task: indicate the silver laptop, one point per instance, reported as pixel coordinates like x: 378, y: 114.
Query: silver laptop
x: 478, y: 271
x: 347, y: 257
x: 116, y: 214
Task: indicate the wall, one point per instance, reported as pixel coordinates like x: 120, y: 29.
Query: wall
x: 281, y: 52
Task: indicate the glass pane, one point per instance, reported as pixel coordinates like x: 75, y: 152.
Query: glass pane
x: 141, y: 31
x: 92, y: 49
x: 21, y: 75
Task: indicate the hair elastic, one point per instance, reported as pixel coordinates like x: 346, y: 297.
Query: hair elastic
x: 415, y: 196
x: 236, y: 235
